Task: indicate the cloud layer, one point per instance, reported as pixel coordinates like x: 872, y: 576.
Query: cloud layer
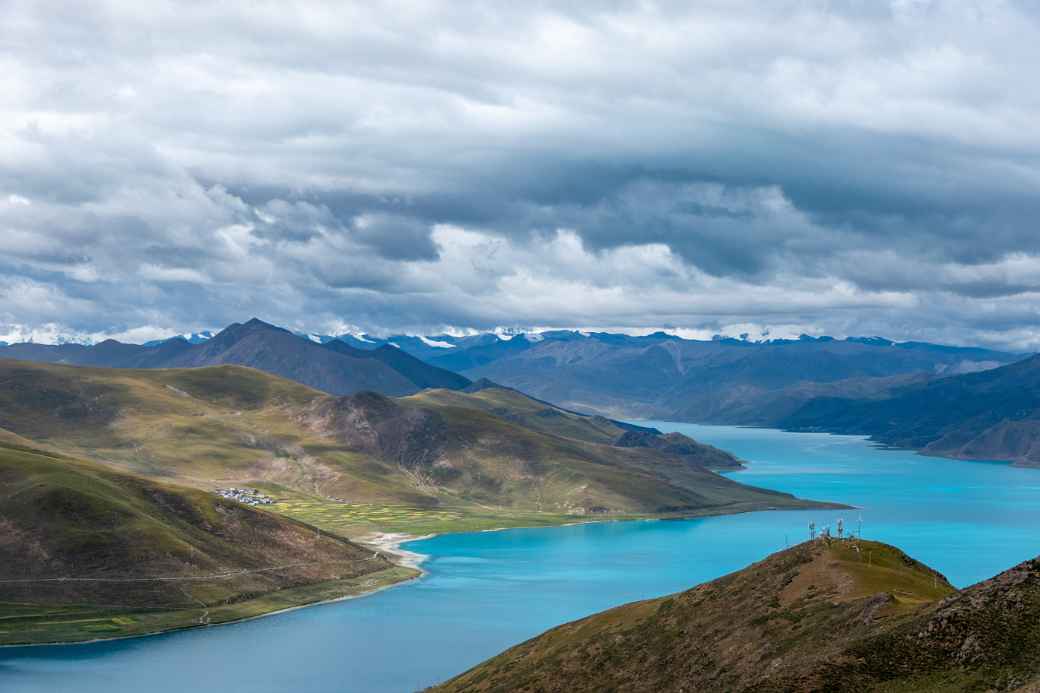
x: 830, y: 167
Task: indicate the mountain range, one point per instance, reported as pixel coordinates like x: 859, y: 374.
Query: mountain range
x: 663, y: 376
x: 724, y: 381
x: 822, y: 616
x: 657, y: 376
x: 333, y: 367
x: 956, y: 401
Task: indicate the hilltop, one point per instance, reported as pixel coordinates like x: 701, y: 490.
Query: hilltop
x: 839, y: 616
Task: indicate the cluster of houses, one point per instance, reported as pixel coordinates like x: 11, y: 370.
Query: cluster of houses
x: 245, y: 495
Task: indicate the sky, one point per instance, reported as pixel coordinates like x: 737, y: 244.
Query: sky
x: 843, y: 167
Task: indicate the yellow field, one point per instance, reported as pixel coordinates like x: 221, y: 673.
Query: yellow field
x: 356, y: 519
x: 348, y: 519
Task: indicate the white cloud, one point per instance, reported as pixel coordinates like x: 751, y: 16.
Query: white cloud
x: 718, y: 167
x: 172, y: 274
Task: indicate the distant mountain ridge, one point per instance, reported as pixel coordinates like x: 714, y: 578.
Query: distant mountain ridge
x: 991, y: 415
x: 656, y: 376
x: 335, y: 367
x: 189, y: 337
x: 725, y: 381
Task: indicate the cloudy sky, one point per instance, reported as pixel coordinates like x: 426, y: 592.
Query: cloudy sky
x: 839, y: 166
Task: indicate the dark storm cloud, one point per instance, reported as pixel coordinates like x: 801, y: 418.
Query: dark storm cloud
x: 841, y: 167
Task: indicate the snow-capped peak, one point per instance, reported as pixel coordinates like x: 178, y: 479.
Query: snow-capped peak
x: 436, y: 343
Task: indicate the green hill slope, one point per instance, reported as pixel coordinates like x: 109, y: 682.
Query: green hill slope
x: 518, y: 408
x: 844, y: 616
x: 88, y: 552
x: 356, y: 463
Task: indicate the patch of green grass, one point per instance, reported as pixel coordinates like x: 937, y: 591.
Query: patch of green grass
x: 530, y: 413
x: 880, y: 568
x: 356, y: 519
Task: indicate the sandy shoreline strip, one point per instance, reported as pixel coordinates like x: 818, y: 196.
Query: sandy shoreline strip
x: 390, y: 543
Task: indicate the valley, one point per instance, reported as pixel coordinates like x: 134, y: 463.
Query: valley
x: 479, y: 595
x: 425, y: 346
x: 332, y: 471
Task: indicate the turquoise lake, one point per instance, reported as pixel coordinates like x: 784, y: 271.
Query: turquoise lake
x: 487, y: 591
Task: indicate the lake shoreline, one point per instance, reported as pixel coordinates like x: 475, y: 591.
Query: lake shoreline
x: 479, y: 595
x: 383, y: 542
x: 390, y: 543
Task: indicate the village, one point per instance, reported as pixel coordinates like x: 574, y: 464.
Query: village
x: 245, y: 495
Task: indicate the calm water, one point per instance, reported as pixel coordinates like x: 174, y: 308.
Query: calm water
x: 490, y: 590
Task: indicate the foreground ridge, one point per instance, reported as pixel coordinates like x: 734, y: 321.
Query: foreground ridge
x: 825, y: 615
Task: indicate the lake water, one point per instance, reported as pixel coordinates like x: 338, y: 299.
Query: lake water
x: 487, y: 591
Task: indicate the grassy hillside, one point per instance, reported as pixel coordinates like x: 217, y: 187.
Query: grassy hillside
x: 534, y: 414
x: 89, y: 552
x: 327, y: 457
x: 516, y: 407
x: 838, y: 616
